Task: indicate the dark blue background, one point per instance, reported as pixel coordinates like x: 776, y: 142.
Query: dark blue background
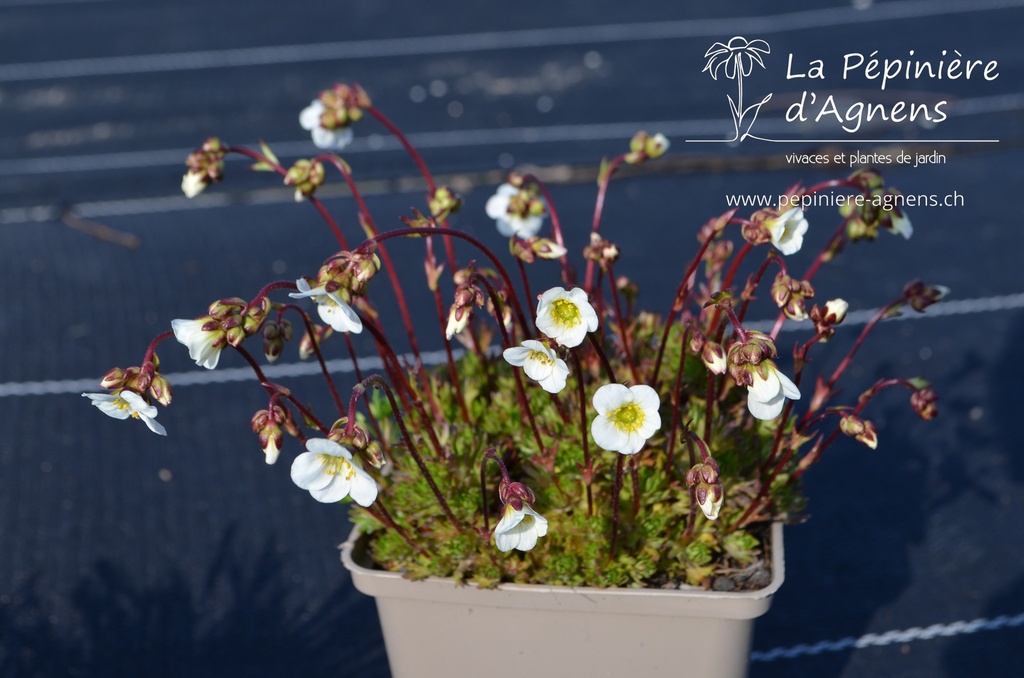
x: 126, y: 554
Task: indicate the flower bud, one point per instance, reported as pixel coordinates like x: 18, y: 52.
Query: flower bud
x: 791, y: 296
x: 547, y: 249
x: 835, y: 311
x: 444, y: 202
x: 756, y: 232
x: 921, y: 296
x: 254, y: 315
x: 375, y: 455
x: 306, y: 346
x: 113, y: 379
x: 656, y: 146
x: 160, y: 389
x: 925, y: 402
x: 270, y: 436
x: 859, y: 429
x: 705, y: 489
x: 275, y: 334
x: 458, y: 319
x: 601, y: 251
x: 515, y: 493
x: 306, y: 176
x: 714, y: 358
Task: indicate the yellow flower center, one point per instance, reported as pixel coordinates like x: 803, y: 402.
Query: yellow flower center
x: 527, y: 520
x: 540, y: 357
x: 123, y: 404
x: 628, y: 418
x: 565, y: 313
x: 336, y: 466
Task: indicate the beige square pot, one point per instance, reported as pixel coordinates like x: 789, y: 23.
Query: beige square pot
x: 436, y: 628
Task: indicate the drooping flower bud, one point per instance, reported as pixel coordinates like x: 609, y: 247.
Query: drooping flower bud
x: 921, y: 296
x: 859, y: 429
x: 925, y: 402
x: 714, y: 358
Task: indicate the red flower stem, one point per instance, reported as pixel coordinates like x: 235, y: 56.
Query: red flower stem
x: 397, y: 374
x: 311, y: 331
x: 526, y: 283
x: 259, y: 157
x: 616, y: 491
x: 602, y: 191
x: 424, y: 171
x: 396, y: 285
x: 634, y: 475
x: 677, y: 398
x: 427, y: 233
x: 623, y: 330
x: 409, y: 148
x: 568, y: 275
x: 755, y: 280
x: 453, y: 373
x: 376, y: 381
x: 588, y: 467
x: 885, y: 310
x: 679, y: 302
x: 709, y: 408
x: 524, y: 403
x: 605, y: 365
x: 151, y: 349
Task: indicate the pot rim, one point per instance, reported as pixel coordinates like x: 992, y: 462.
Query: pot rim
x: 382, y: 583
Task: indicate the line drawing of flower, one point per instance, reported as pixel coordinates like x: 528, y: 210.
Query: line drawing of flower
x: 736, y: 60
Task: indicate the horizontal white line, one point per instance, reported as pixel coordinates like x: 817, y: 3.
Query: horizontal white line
x: 890, y: 637
x: 376, y: 143
x: 431, y: 358
x: 479, y: 42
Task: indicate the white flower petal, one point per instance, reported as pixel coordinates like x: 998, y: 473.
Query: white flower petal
x: 764, y: 410
x: 336, y: 489
x: 517, y: 355
x: 789, y: 389
x: 308, y: 471
x: 767, y: 388
x: 338, y: 314
x: 364, y: 488
x: 556, y: 380
x: 610, y: 397
x: 497, y: 206
x: 309, y: 118
x: 153, y: 424
x: 607, y: 435
x: 110, y: 407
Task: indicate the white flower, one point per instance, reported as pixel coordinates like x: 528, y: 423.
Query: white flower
x: 203, y: 346
x: 192, y: 184
x: 511, y: 224
x: 788, y: 230
x: 331, y: 308
x: 323, y: 137
x: 566, y: 317
x: 626, y: 417
x: 519, y: 528
x: 767, y: 394
x: 127, y: 404
x: 327, y: 471
x: 540, y: 364
x: 901, y: 225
